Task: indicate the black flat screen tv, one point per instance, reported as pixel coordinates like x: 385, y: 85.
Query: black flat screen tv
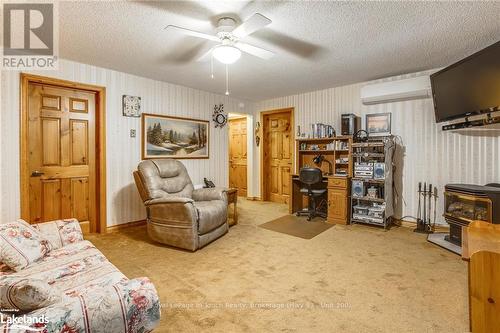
x: 468, y: 87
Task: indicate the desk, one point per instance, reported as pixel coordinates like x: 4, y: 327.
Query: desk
x: 338, y: 189
x: 481, y: 248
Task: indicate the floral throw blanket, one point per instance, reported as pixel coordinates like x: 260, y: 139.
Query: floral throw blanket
x: 96, y: 296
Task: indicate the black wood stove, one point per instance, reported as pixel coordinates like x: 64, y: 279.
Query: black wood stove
x: 467, y: 203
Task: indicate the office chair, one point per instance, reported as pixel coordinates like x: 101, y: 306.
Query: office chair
x: 310, y: 177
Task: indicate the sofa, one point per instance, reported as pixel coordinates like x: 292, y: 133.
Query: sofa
x: 177, y: 214
x: 71, y: 287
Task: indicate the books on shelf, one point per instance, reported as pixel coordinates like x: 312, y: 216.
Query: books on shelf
x: 320, y: 130
x: 330, y: 146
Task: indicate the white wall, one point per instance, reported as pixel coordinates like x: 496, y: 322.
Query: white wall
x: 430, y: 154
x: 123, y: 152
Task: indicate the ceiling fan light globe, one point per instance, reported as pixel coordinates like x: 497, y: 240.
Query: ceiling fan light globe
x: 226, y: 54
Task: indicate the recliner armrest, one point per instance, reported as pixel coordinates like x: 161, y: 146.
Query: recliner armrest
x: 173, y: 211
x: 210, y: 193
x: 168, y: 200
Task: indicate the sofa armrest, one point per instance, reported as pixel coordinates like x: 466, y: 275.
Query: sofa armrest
x: 61, y: 232
x: 129, y: 306
x: 210, y: 193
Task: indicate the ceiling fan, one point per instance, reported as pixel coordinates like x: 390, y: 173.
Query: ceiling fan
x: 229, y: 36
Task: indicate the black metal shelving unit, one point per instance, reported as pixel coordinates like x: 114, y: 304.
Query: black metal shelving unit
x: 375, y: 209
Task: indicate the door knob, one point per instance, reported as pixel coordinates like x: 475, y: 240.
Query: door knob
x: 37, y: 173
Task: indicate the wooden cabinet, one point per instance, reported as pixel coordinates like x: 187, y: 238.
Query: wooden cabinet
x: 338, y: 200
x: 232, y: 198
x: 337, y: 208
x: 334, y: 157
x: 338, y: 182
x: 481, y: 248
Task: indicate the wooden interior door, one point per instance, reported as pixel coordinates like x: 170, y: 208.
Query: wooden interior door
x: 238, y: 155
x: 278, y: 156
x: 62, y: 156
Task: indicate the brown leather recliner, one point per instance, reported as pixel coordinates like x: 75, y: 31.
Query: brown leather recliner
x: 177, y: 214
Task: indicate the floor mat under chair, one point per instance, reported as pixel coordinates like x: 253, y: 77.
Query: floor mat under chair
x: 297, y: 226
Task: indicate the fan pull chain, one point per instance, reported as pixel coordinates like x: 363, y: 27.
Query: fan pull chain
x: 212, y: 66
x: 227, y: 80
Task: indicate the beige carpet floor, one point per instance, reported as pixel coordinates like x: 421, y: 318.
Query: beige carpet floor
x: 346, y: 279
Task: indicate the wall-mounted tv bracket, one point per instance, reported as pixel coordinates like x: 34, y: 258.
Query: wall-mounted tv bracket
x: 488, y: 120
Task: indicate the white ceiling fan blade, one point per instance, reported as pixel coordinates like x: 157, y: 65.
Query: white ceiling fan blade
x: 206, y: 56
x: 255, y: 22
x: 192, y: 33
x: 255, y: 51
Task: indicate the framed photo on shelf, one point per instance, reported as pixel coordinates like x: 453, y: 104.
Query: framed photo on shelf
x: 173, y: 137
x: 378, y: 124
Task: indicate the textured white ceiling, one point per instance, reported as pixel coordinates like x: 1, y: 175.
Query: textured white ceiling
x: 317, y: 44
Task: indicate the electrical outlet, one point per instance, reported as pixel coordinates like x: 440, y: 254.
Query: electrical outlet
x: 132, y: 133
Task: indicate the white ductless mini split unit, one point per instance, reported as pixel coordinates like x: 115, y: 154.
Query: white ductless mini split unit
x: 395, y: 91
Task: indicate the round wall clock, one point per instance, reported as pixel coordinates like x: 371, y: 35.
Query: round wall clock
x: 219, y: 116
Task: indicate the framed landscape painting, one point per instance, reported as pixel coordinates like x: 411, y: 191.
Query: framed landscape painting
x: 173, y: 137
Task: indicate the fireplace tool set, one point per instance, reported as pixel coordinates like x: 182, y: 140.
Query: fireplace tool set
x: 425, y: 195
